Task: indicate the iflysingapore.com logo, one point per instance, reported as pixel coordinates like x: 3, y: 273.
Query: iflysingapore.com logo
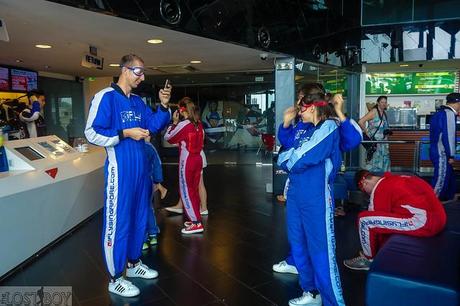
x: 42, y: 296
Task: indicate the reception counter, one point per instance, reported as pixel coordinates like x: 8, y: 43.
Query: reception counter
x: 49, y: 189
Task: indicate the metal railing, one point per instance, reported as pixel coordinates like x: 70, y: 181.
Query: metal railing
x: 417, y: 143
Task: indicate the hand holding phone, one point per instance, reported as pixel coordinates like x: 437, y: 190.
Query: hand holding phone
x: 165, y: 94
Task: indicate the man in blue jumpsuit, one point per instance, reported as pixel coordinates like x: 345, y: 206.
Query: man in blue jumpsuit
x: 442, y: 147
x: 119, y: 121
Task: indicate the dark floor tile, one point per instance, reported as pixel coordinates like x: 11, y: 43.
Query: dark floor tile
x: 229, y: 261
x: 229, y: 264
x: 215, y: 303
x: 279, y: 291
x: 156, y: 258
x: 150, y: 295
x: 162, y: 302
x: 183, y: 290
x: 232, y: 292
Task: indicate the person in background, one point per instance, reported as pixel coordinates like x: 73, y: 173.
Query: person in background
x: 33, y: 115
x: 377, y: 129
x: 179, y: 207
x: 443, y: 138
x: 153, y: 178
x: 399, y: 204
x: 189, y: 135
x: 269, y: 115
x: 119, y: 121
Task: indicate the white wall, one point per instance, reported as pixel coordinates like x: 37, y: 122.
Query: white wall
x: 90, y: 88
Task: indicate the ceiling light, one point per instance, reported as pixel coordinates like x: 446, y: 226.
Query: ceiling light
x: 43, y: 46
x: 47, y: 67
x: 195, y: 62
x: 155, y: 41
x: 404, y: 65
x: 114, y: 65
x: 19, y: 60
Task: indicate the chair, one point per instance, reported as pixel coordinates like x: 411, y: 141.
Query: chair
x: 268, y: 140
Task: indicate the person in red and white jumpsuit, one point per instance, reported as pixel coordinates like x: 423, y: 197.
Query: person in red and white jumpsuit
x: 399, y: 204
x: 189, y: 134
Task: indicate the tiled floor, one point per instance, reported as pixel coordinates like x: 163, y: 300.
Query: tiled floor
x: 230, y: 264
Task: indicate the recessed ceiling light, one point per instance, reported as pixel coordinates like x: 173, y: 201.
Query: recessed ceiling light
x: 404, y: 65
x: 43, y: 46
x: 47, y: 67
x: 19, y: 60
x: 155, y: 41
x: 114, y: 65
x: 195, y: 62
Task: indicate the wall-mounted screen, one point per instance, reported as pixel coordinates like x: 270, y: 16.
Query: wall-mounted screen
x: 400, y: 83
x: 29, y: 153
x: 4, y: 79
x: 23, y: 80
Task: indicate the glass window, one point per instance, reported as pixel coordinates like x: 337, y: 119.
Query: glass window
x: 436, y: 9
x: 64, y: 108
x: 396, y: 11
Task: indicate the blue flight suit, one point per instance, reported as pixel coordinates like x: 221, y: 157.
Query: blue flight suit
x: 312, y: 162
x: 155, y: 176
x: 125, y: 211
x: 442, y: 147
x: 350, y: 137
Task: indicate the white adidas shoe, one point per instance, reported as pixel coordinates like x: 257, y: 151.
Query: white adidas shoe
x: 284, y: 267
x: 306, y: 299
x: 142, y: 271
x: 123, y: 288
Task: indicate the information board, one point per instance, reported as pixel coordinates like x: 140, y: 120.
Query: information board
x: 427, y: 83
x: 336, y: 85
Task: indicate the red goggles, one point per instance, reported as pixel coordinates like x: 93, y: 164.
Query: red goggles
x: 304, y: 106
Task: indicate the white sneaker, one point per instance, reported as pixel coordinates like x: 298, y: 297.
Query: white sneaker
x: 123, y: 288
x: 204, y: 212
x: 175, y: 210
x: 306, y: 299
x: 142, y: 271
x: 284, y: 267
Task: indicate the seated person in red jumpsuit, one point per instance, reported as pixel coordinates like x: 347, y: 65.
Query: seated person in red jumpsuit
x: 399, y: 204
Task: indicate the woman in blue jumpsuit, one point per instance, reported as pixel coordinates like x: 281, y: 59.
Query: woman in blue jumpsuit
x: 350, y: 138
x: 312, y: 163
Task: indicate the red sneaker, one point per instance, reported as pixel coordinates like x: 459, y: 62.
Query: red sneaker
x: 193, y: 228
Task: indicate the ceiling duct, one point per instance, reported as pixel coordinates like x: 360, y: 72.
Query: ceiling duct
x: 173, y: 69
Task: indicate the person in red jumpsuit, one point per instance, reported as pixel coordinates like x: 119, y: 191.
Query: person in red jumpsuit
x: 188, y: 134
x: 399, y: 204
